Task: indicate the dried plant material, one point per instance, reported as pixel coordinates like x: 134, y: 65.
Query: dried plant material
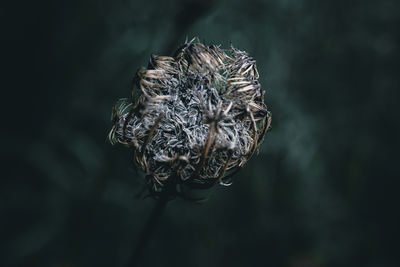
x: 195, y: 118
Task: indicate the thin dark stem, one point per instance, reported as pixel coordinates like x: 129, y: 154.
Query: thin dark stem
x: 147, y: 232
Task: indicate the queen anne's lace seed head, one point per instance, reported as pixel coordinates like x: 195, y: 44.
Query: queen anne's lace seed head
x: 194, y: 118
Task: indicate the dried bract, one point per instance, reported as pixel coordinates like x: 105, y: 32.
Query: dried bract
x: 194, y: 118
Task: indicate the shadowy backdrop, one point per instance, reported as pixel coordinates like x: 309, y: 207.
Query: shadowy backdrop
x: 323, y: 190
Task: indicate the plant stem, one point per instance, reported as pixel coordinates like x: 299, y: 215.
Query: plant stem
x: 147, y: 232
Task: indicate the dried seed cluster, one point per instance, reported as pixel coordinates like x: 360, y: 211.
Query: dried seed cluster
x: 194, y: 118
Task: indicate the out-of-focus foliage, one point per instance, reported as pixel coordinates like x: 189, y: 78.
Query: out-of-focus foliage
x: 321, y: 192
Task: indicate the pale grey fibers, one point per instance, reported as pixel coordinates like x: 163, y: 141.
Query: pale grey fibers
x: 194, y: 118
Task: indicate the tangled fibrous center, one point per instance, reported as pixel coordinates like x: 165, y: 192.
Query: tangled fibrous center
x: 196, y: 117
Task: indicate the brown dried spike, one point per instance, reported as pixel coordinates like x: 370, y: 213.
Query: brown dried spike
x: 207, y: 146
x: 266, y: 126
x: 255, y: 133
x: 156, y: 74
x: 223, y: 170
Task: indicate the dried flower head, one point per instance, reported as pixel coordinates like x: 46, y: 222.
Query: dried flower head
x: 194, y: 118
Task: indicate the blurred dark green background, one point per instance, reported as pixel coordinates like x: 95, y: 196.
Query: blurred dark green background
x: 323, y: 190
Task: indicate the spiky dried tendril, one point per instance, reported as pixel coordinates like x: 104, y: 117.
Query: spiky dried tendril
x: 194, y: 118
